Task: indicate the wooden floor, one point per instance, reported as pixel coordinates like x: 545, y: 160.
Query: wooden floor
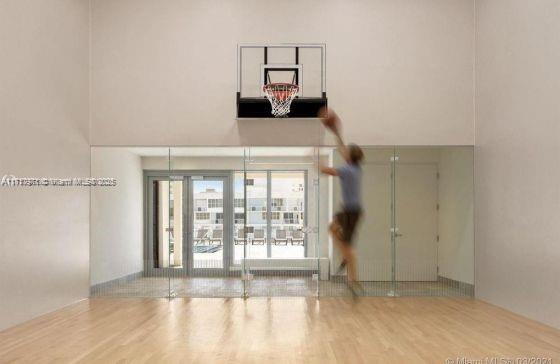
x: 284, y: 330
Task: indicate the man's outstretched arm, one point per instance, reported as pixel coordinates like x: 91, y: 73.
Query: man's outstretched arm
x: 329, y: 171
x: 332, y: 122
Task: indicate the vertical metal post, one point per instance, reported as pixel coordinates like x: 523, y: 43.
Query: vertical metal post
x: 393, y: 291
x: 169, y: 181
x: 317, y: 231
x: 246, y: 239
x: 268, y: 213
x: 186, y: 226
x: 190, y: 224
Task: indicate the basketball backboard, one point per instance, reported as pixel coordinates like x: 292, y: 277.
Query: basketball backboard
x: 261, y: 64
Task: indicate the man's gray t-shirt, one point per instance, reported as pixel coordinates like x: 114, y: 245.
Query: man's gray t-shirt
x: 350, y: 184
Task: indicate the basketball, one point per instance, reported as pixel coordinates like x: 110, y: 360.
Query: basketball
x: 328, y: 118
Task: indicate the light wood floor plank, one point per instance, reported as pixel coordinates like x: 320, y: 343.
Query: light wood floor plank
x: 284, y: 330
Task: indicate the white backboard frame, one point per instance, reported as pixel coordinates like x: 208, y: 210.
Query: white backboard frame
x: 242, y: 46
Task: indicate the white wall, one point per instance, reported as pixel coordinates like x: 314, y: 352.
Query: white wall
x: 398, y: 71
x: 517, y: 153
x: 456, y: 204
x: 44, y: 242
x: 117, y: 238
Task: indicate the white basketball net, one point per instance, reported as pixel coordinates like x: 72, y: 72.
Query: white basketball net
x: 280, y: 96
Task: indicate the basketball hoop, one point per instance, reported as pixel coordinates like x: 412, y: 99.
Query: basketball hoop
x: 280, y: 96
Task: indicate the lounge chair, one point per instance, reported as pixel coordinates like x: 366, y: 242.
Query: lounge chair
x: 200, y: 236
x: 240, y: 239
x: 217, y: 235
x: 297, y: 237
x: 281, y: 237
x: 258, y: 237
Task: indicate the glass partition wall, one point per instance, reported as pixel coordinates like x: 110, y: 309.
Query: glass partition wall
x: 416, y: 236
x: 254, y: 222
x: 282, y: 198
x: 433, y: 221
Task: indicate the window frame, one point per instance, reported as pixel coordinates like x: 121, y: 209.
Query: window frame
x: 269, y: 210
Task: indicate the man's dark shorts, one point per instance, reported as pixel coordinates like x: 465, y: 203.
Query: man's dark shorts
x: 348, y: 221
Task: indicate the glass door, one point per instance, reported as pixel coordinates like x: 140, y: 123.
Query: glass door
x: 190, y: 240
x: 415, y: 219
x: 210, y: 243
x: 208, y: 235
x: 165, y: 249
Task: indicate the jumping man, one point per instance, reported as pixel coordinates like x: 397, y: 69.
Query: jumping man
x: 350, y: 174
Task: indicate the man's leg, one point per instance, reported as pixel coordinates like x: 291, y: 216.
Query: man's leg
x: 336, y: 232
x: 345, y: 249
x: 351, y: 223
x: 350, y: 261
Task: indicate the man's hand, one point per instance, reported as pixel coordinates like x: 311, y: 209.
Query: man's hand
x: 329, y: 119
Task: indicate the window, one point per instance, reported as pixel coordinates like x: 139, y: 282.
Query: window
x: 239, y: 217
x: 255, y: 192
x: 219, y: 218
x: 200, y: 204
x: 274, y: 215
x: 285, y: 193
x: 277, y: 202
x: 288, y: 202
x: 291, y: 218
x: 203, y: 216
x: 215, y: 203
x: 298, y: 187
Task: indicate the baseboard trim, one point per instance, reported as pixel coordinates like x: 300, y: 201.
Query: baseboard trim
x: 466, y: 288
x: 38, y: 316
x: 97, y: 288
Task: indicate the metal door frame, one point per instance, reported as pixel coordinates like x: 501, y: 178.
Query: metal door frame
x: 187, y: 177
